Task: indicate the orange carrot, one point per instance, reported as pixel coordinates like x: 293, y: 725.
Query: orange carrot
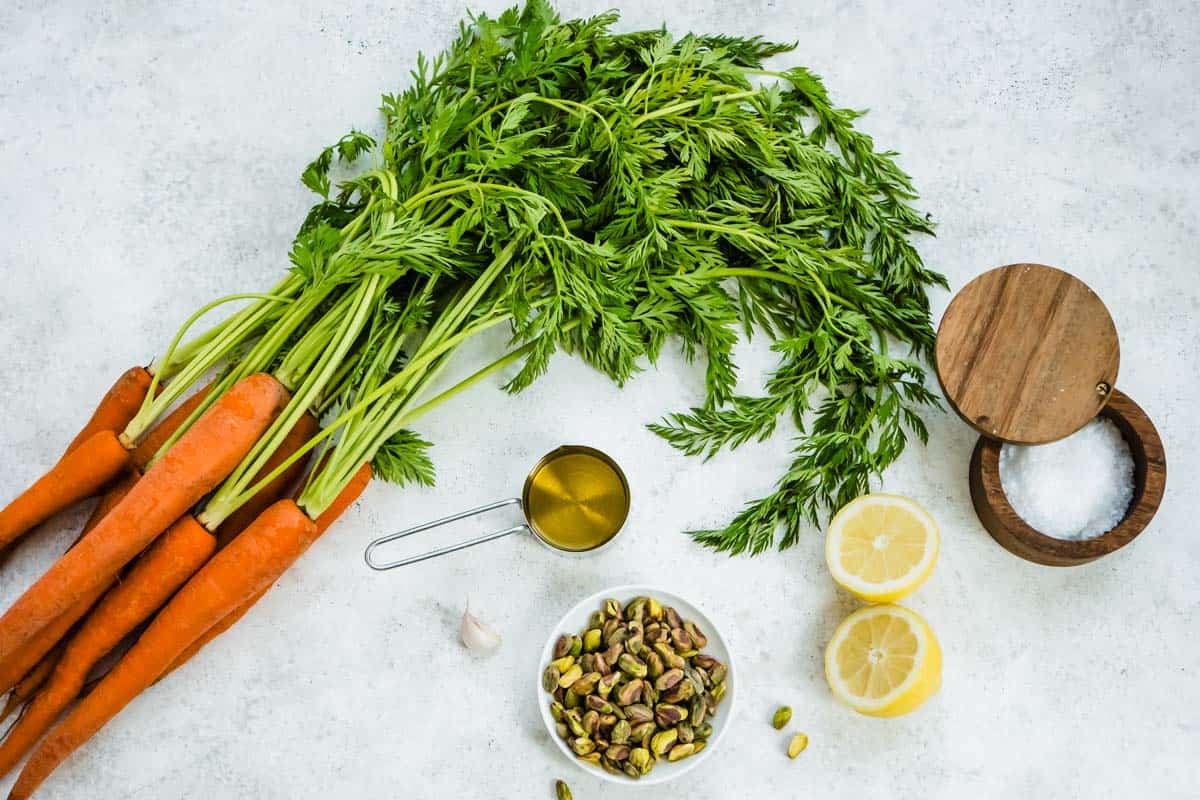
x: 249, y: 564
x: 42, y: 648
x: 32, y: 681
x: 194, y: 465
x: 79, y: 474
x: 153, y: 441
x: 347, y: 496
x: 305, y: 428
x: 164, y: 567
x: 118, y: 406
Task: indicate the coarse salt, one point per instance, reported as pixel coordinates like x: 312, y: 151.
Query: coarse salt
x: 1076, y: 488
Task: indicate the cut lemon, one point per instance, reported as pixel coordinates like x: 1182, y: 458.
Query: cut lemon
x: 881, y: 547
x: 883, y: 661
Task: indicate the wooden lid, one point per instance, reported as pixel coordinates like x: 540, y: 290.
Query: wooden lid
x: 1027, y: 354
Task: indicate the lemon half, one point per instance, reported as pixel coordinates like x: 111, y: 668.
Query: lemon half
x: 881, y: 547
x: 883, y: 661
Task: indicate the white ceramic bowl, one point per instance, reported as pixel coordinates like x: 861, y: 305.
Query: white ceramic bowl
x: 574, y: 622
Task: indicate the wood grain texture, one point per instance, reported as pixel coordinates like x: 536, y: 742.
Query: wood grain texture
x: 1021, y: 351
x: 1015, y: 534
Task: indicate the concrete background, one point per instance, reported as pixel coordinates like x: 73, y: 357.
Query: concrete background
x: 150, y: 154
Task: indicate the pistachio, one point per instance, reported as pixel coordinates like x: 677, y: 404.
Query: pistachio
x: 596, y: 620
x: 666, y: 714
x: 717, y: 673
x: 587, y: 662
x: 704, y: 661
x: 609, y: 765
x: 600, y: 664
x: 572, y: 700
x: 617, y: 752
x: 562, y: 730
x: 574, y: 722
x: 556, y: 711
x: 672, y: 618
x: 783, y: 715
x: 653, y: 632
x: 797, y: 744
x: 681, y: 751
x: 686, y: 733
x: 631, y: 770
x: 570, y: 676
x: 640, y: 732
x: 591, y: 723
x: 621, y: 732
x: 599, y: 704
x: 586, y: 684
x: 699, y: 744
x: 607, y: 721
x: 562, y: 791
x: 649, y: 694
x: 582, y: 745
x: 698, y: 709
x: 618, y: 636
x: 630, y: 692
x: 636, y: 609
x: 682, y: 640
x: 703, y: 731
x: 639, y: 757
x: 698, y: 637
x: 591, y: 758
x: 669, y: 657
x: 613, y: 653
x: 613, y: 610
x: 562, y: 647
x: 669, y: 679
x: 605, y: 685
x: 550, y: 678
x: 632, y: 666
x: 654, y: 664
x: 591, y: 640
x: 638, y: 713
x: 559, y: 694
x: 636, y: 643
x: 683, y: 691
x: 717, y: 693
x: 654, y: 608
x: 610, y: 627
x: 662, y: 742
x: 563, y: 664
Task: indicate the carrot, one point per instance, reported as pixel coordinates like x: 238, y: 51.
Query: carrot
x: 153, y: 441
x: 305, y: 428
x: 32, y: 681
x: 191, y: 468
x: 164, y: 567
x: 118, y: 406
x: 249, y: 564
x: 46, y: 646
x: 347, y: 496
x: 79, y: 474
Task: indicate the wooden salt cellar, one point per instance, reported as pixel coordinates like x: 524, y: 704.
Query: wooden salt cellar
x: 1028, y: 354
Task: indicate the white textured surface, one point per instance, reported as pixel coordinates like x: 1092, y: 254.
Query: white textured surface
x: 150, y: 155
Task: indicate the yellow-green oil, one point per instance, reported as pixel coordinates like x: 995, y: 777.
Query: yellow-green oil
x: 576, y: 498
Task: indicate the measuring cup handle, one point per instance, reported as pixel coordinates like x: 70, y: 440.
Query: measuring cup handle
x: 441, y: 551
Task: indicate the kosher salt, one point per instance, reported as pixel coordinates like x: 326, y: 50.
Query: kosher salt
x: 1076, y: 488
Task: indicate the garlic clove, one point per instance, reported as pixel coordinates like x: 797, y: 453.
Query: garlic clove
x: 478, y: 637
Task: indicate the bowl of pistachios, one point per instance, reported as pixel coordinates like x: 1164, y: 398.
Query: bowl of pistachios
x: 635, y: 683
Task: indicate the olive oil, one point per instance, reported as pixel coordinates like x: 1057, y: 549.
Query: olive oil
x: 576, y: 498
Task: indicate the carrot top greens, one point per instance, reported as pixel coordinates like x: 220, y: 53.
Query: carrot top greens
x: 604, y: 193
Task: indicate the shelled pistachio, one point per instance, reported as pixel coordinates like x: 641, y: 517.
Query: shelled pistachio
x: 633, y: 689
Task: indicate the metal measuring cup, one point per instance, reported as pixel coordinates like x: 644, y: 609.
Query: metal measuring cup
x: 556, y: 501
